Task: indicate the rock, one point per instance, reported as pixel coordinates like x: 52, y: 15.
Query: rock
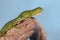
x: 39, y: 32
x: 28, y: 26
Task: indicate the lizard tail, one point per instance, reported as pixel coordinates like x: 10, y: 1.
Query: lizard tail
x: 1, y: 33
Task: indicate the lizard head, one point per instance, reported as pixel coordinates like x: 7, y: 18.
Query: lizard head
x: 37, y: 11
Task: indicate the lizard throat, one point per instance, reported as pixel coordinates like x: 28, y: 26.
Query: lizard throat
x: 36, y: 14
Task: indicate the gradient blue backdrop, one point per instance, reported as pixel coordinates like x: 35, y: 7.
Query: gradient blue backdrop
x: 49, y: 19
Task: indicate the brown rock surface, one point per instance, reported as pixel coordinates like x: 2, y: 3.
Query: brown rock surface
x: 39, y: 32
x: 25, y: 30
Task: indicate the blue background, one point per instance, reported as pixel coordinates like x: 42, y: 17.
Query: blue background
x: 49, y: 19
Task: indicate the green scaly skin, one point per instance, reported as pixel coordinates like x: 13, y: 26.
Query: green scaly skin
x: 23, y: 15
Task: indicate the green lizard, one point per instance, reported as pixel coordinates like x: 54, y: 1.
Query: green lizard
x: 23, y: 15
